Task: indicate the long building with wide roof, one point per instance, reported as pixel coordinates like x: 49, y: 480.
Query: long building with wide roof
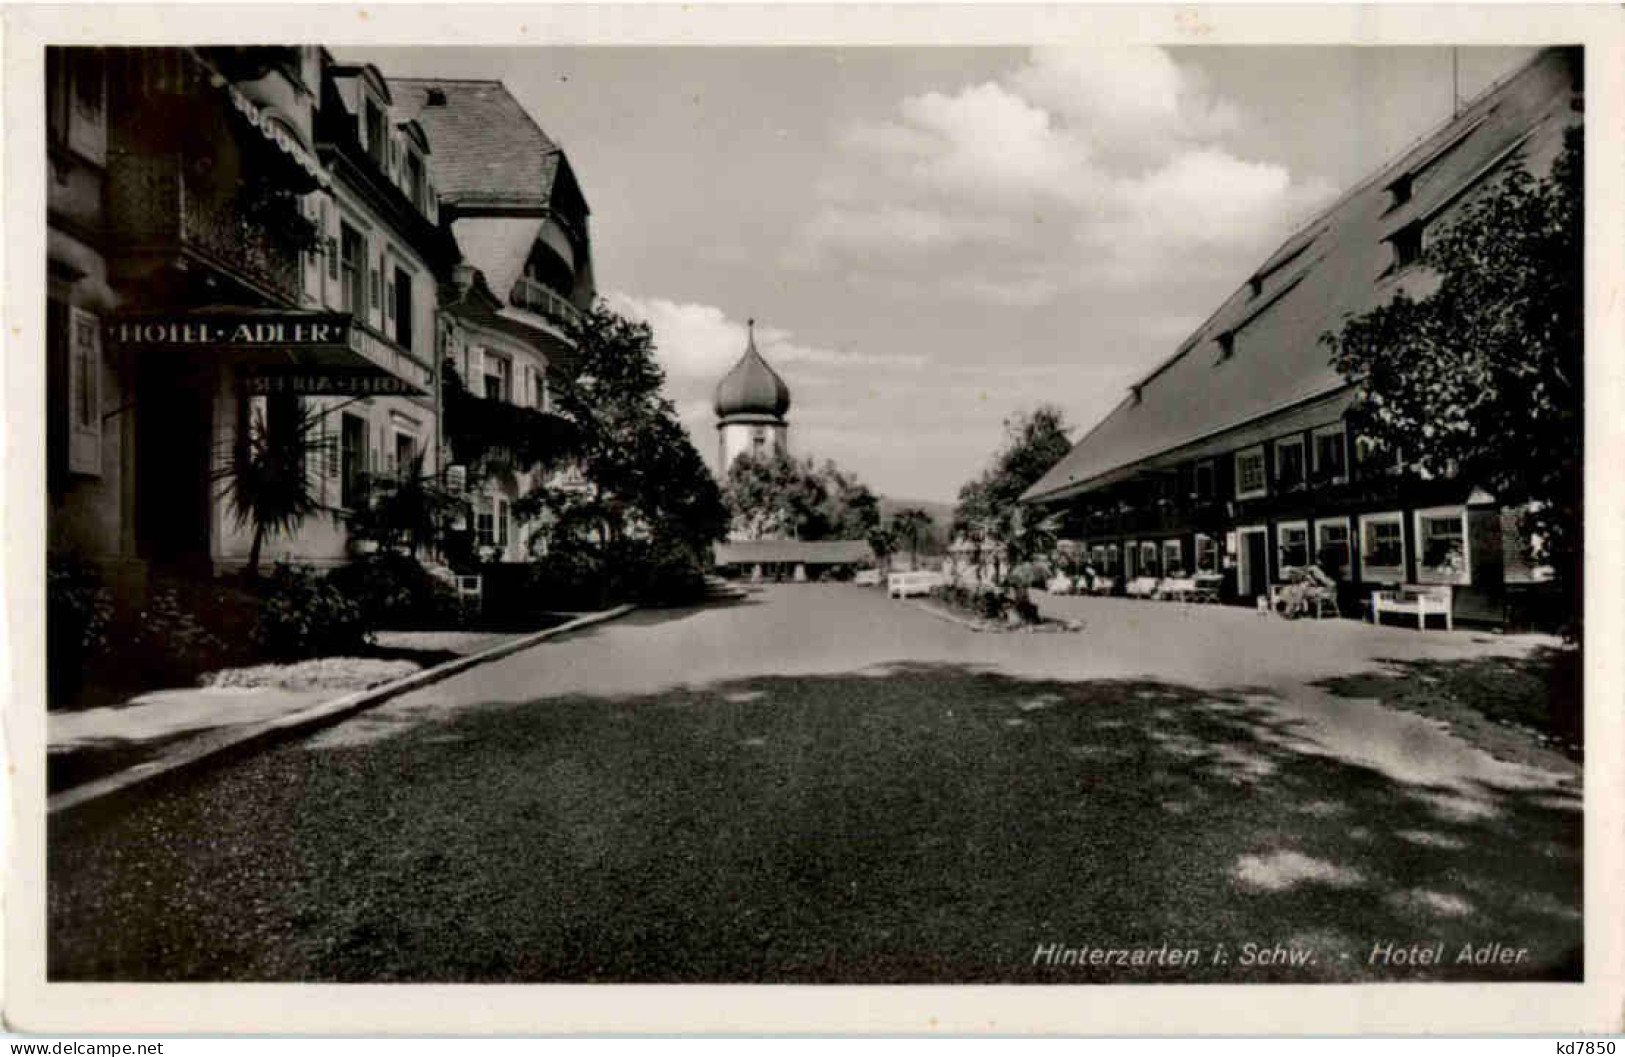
x: 1233, y: 456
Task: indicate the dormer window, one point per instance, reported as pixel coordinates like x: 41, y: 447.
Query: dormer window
x: 1407, y: 242
x: 1255, y: 286
x: 1227, y: 345
x: 414, y: 178
x: 376, y: 133
x: 1401, y: 190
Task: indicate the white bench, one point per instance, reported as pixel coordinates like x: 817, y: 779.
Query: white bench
x: 901, y: 585
x: 1142, y: 587
x: 1421, y: 601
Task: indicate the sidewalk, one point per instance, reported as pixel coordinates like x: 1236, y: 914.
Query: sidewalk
x: 85, y: 745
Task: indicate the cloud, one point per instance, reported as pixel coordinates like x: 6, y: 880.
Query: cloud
x: 697, y: 344
x: 1080, y: 166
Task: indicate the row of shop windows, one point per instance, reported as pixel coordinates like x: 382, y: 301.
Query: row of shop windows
x: 1441, y: 536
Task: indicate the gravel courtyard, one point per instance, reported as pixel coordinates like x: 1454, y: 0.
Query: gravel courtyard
x: 817, y: 784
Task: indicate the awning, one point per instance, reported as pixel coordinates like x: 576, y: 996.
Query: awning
x: 279, y: 135
x: 282, y: 350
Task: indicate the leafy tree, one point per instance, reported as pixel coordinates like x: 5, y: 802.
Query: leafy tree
x: 910, y: 525
x: 883, y: 541
x: 989, y: 514
x: 268, y: 477
x: 1482, y: 378
x: 774, y: 495
x: 636, y: 487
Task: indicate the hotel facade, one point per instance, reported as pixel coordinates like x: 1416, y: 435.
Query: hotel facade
x: 258, y: 238
x: 1235, y: 457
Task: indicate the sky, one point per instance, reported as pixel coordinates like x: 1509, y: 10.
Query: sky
x: 934, y: 240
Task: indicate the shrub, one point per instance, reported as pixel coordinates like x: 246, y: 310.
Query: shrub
x: 303, y: 615
x: 667, y: 574
x: 1026, y: 609
x: 394, y: 590
x: 169, y: 643
x: 78, y: 612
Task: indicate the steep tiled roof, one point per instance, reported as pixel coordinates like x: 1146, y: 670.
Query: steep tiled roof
x: 1260, y: 353
x: 485, y: 146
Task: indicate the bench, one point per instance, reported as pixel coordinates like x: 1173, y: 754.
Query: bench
x: 1142, y: 587
x: 901, y: 585
x: 1102, y: 585
x: 1421, y: 601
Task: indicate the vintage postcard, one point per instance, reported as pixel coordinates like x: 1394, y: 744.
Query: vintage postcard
x: 814, y: 519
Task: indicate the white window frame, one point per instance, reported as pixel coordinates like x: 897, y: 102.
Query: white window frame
x: 485, y: 507
x: 1252, y: 588
x: 1156, y: 556
x: 1336, y: 522
x: 84, y: 344
x: 490, y: 358
x: 1179, y: 556
x: 1097, y: 556
x: 1281, y: 528
x: 417, y: 447
x: 1263, y: 472
x: 1424, y: 574
x: 1341, y: 430
x: 1114, y: 558
x: 1383, y: 573
x: 1303, y: 462
x: 1213, y: 548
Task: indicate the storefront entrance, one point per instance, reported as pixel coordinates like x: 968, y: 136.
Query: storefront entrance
x: 175, y: 439
x: 1254, y: 573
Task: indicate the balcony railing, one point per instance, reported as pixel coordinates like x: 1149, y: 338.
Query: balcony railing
x: 533, y: 296
x: 154, y: 205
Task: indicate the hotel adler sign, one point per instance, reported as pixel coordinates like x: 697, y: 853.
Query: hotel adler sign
x: 325, y: 353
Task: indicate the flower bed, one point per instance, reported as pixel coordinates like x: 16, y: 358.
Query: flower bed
x: 989, y: 609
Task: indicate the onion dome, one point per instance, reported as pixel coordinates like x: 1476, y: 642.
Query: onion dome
x: 752, y: 387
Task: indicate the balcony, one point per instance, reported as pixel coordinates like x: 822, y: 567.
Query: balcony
x: 155, y: 206
x: 533, y: 296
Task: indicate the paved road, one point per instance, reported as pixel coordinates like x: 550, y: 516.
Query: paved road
x: 821, y: 784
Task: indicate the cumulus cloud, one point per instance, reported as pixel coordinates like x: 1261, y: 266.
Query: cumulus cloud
x: 698, y: 343
x: 1081, y: 166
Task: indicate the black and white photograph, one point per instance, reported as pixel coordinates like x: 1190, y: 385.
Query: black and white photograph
x: 1077, y: 512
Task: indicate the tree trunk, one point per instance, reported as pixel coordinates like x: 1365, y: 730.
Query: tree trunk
x: 253, y: 569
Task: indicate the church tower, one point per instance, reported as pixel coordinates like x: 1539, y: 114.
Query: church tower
x: 751, y: 402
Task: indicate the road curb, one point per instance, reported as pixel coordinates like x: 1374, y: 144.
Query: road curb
x: 209, y: 746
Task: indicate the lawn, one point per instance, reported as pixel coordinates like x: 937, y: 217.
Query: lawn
x: 912, y: 823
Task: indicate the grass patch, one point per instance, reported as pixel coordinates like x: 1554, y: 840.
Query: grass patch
x: 1529, y: 709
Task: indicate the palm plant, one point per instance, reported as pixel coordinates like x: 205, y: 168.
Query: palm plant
x: 910, y: 525
x: 268, y: 479
x: 407, y: 508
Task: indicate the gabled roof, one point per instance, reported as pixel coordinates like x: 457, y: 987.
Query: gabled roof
x: 487, y: 147
x: 1259, y: 355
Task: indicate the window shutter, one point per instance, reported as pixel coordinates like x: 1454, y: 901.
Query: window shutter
x: 84, y: 393
x: 476, y: 370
